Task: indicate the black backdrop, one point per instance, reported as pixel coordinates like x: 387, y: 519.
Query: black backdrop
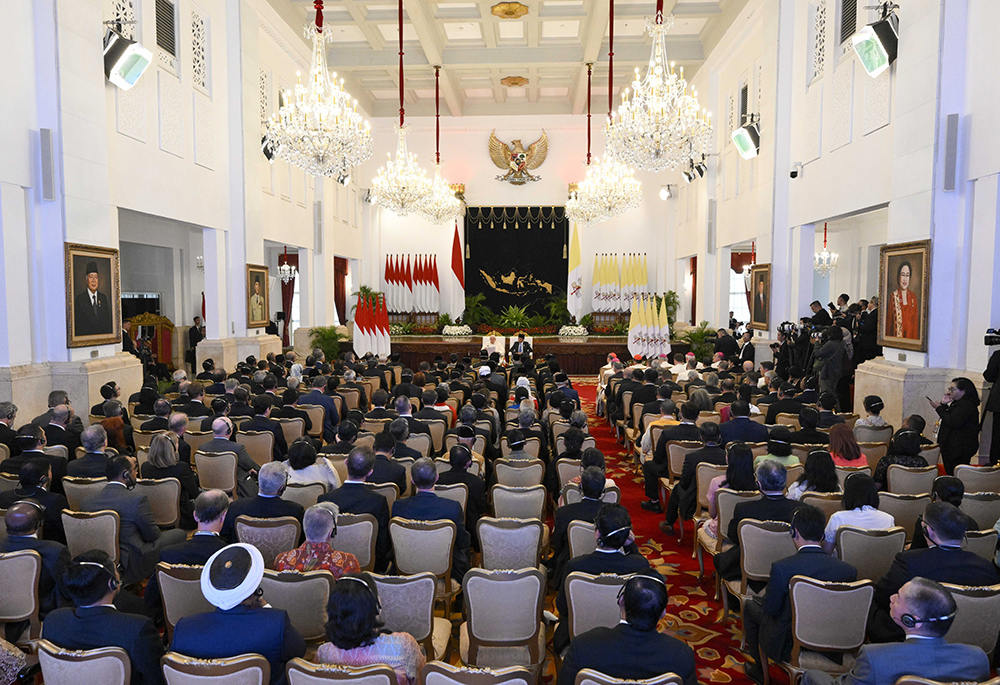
x: 514, y: 255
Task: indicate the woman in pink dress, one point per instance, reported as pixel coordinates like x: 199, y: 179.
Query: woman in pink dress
x: 903, y: 319
x: 739, y: 476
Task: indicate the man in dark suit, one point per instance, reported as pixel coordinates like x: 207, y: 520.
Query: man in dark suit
x: 347, y: 434
x: 34, y: 478
x: 726, y: 344
x: 810, y: 395
x: 110, y: 391
x: 140, y: 539
x: 684, y: 495
x: 827, y: 404
x: 562, y: 383
x: 775, y: 387
x: 521, y: 347
x: 428, y: 399
x: 57, y: 397
x: 591, y: 487
x: 785, y: 404
x: 405, y: 387
x: 267, y: 503
x: 94, y: 461
x: 128, y: 345
x: 747, y: 353
x: 820, y: 316
x: 385, y: 469
x: 739, y: 427
x: 767, y: 620
x: 379, y: 399
x: 22, y: 521
x: 8, y: 436
x: 242, y: 623
x: 616, y: 404
x: 643, y: 394
x: 161, y: 412
x: 91, y: 581
x: 773, y: 506
x: 633, y: 649
x: 91, y: 310
x: 924, y: 611
x: 195, y: 406
x: 658, y: 466
x: 331, y: 417
x: 404, y: 409
x: 613, y: 530
x: 31, y: 438
x: 807, y: 433
x: 240, y: 406
x: 943, y: 560
x: 219, y: 408
x: 246, y: 468
x: 351, y: 381
x: 289, y: 409
x: 425, y: 505
x: 262, y: 422
x: 56, y: 432
x: 354, y: 497
x: 460, y: 458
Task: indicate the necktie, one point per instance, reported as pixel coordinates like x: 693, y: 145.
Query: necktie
x: 94, y: 301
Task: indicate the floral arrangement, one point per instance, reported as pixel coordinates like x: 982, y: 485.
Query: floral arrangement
x: 456, y: 330
x: 508, y: 331
x: 398, y: 329
x: 572, y: 331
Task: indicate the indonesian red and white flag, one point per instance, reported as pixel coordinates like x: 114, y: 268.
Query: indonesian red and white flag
x: 456, y: 279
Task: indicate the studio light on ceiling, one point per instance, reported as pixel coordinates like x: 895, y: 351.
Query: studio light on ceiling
x: 876, y: 44
x: 667, y: 192
x: 124, y: 60
x: 747, y: 138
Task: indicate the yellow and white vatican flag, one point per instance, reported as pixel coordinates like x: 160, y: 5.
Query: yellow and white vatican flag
x: 616, y: 288
x: 664, y: 329
x: 595, y: 285
x: 634, y: 345
x: 644, y: 275
x: 650, y: 326
x: 574, y: 284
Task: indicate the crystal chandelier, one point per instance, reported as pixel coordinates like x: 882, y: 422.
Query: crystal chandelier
x: 287, y: 272
x: 401, y: 186
x: 318, y: 128
x: 440, y: 204
x: 748, y: 268
x: 660, y: 125
x: 824, y: 262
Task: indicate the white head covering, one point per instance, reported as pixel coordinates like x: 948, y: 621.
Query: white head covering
x: 231, y: 575
x: 296, y: 371
x: 522, y: 382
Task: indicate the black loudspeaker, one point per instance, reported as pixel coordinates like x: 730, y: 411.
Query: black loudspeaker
x: 279, y: 316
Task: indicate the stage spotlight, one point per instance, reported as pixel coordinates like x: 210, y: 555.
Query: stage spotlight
x: 701, y: 167
x: 747, y: 138
x: 344, y: 179
x: 124, y: 59
x: 876, y: 43
x: 689, y: 174
x: 665, y: 193
x: 266, y: 149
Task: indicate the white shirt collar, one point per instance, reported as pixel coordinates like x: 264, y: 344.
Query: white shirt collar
x: 117, y: 482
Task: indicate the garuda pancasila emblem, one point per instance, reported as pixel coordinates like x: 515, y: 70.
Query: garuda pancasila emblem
x: 517, y: 161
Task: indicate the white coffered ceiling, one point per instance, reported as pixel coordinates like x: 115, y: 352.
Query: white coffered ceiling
x: 549, y: 46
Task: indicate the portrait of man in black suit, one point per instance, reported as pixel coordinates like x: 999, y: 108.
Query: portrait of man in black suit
x: 92, y: 285
x: 92, y: 310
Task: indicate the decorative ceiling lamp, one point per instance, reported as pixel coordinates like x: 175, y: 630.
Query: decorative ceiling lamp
x: 401, y: 186
x: 824, y: 262
x: 747, y: 268
x: 660, y: 126
x: 287, y: 272
x: 318, y: 128
x: 441, y: 204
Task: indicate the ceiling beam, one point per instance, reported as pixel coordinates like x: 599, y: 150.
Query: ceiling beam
x: 430, y: 43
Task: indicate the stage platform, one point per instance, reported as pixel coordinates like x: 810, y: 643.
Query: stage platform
x: 584, y: 355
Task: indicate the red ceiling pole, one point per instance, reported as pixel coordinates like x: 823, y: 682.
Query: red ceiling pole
x: 611, y: 59
x: 590, y: 72
x: 659, y: 11
x: 437, y: 114
x: 402, y: 112
x: 318, y: 5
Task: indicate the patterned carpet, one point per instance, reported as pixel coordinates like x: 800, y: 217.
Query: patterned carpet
x: 693, y: 616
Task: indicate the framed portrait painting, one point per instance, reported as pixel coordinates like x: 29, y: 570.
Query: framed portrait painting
x: 760, y: 296
x: 903, y: 289
x: 93, y: 296
x: 258, y: 307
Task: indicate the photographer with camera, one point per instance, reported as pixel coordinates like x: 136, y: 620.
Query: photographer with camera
x: 992, y: 374
x: 828, y: 354
x: 782, y: 349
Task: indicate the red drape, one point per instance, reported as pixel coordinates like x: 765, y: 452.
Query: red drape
x: 287, y: 292
x: 694, y: 289
x: 737, y: 261
x: 340, y: 287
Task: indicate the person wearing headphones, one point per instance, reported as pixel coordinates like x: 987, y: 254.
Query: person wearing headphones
x: 924, y: 611
x: 460, y: 458
x: 22, y: 521
x: 634, y: 649
x: 92, y: 581
x: 317, y: 554
x: 33, y: 483
x: 223, y: 432
x: 267, y: 503
x: 943, y: 561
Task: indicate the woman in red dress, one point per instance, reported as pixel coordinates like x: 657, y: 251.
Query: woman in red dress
x: 904, y: 311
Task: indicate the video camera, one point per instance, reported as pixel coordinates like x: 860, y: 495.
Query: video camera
x: 992, y: 337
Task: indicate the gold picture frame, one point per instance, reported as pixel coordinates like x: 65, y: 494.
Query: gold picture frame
x: 760, y: 297
x: 93, y: 296
x: 902, y: 318
x: 258, y: 299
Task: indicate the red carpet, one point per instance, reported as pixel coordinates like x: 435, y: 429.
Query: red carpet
x: 693, y: 616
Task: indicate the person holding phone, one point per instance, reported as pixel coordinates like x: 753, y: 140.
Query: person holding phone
x: 959, y: 431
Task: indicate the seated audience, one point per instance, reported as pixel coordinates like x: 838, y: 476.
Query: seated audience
x: 399, y: 430
x: 945, y: 489
x: 460, y: 459
x: 844, y: 447
x: 807, y: 434
x: 163, y: 463
x: 246, y: 467
x: 917, y: 423
x: 347, y: 434
x: 739, y: 427
x: 739, y: 476
x: 819, y: 475
x: 267, y: 503
x: 684, y: 495
x: 319, y: 524
x: 904, y: 449
x: 305, y: 466
x: 33, y: 483
x: 263, y: 423
x: 827, y: 405
x: 94, y: 460
x: 860, y: 503
x: 779, y: 448
x: 667, y: 417
x: 356, y: 637
x: 31, y: 440
x: 242, y: 622
x: 873, y: 413
x: 785, y: 404
x: 22, y: 521
x: 386, y: 469
x: 119, y: 432
x: 161, y: 410
x: 354, y: 497
x: 57, y: 430
x: 658, y: 467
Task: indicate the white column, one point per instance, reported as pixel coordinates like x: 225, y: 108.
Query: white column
x: 305, y: 284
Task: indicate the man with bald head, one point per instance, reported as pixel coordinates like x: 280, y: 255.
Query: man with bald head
x: 57, y: 430
x: 57, y: 397
x: 22, y: 521
x: 34, y: 481
x: 222, y: 432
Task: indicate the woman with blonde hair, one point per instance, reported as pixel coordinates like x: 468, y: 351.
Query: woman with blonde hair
x: 163, y: 463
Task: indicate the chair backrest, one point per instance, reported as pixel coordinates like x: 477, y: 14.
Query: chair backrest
x: 874, y: 451
x: 580, y: 537
x: 791, y: 420
x: 519, y: 502
x: 708, y: 417
x: 408, y: 605
x: 180, y: 593
x: 759, y: 449
x: 977, y: 621
x: 566, y: 469
x: 374, y: 425
x: 828, y: 616
x: 423, y: 545
x: 106, y: 665
x: 339, y: 464
x: 676, y: 451
x: 984, y: 507
x: 932, y: 455
x: 844, y: 471
x: 195, y: 439
x: 271, y: 536
x: 259, y: 444
x: 870, y: 551
x: 904, y: 509
x: 907, y: 480
x: 438, y: 427
x: 441, y: 673
x: 365, y: 439
x: 388, y: 490
x: 7, y: 482
x: 827, y: 502
x: 870, y: 434
x: 504, y: 608
x: 589, y: 676
x: 572, y: 494
x: 703, y: 474
x: 982, y: 543
x: 532, y: 446
x: 302, y: 672
x: 478, y: 445
x: 420, y: 442
x: 352, y: 397
x: 357, y: 534
x: 217, y: 470
x: 304, y: 595
x: 77, y: 489
x: 144, y: 438
x: 509, y: 543
x: 306, y: 494
x: 519, y: 472
x: 19, y: 576
x: 592, y: 601
x: 165, y: 499
x: 725, y: 502
x: 245, y: 669
x: 317, y: 415
x: 761, y: 544
x: 458, y: 492
x: 588, y: 441
x: 57, y: 450
x: 92, y: 530
x: 978, y: 478
x: 293, y: 429
x: 792, y: 473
